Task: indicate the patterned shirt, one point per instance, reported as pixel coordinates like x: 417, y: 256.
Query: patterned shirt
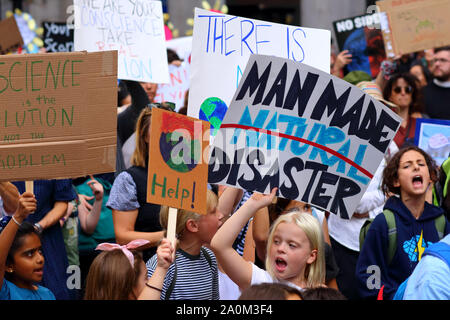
x: 196, y: 278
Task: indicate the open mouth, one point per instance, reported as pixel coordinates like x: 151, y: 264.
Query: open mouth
x: 417, y: 181
x: 280, y: 264
x: 39, y: 271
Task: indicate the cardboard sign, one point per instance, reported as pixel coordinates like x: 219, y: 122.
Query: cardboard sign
x: 316, y: 137
x: 414, y: 25
x: 58, y: 37
x: 177, y: 170
x: 10, y: 39
x: 175, y: 90
x: 50, y: 106
x: 433, y: 136
x: 221, y: 47
x: 362, y: 37
x: 134, y: 28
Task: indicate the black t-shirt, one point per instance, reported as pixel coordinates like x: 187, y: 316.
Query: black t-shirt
x: 437, y: 101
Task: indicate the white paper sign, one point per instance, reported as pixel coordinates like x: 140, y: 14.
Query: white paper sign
x: 222, y: 45
x: 315, y: 137
x: 175, y: 90
x: 134, y: 28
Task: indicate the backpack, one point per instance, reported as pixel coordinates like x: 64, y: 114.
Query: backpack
x: 172, y: 284
x: 392, y: 231
x: 439, y: 250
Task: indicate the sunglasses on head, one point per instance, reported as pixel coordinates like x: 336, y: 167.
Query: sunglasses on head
x: 408, y: 89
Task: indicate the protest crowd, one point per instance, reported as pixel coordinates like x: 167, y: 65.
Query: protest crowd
x: 97, y: 237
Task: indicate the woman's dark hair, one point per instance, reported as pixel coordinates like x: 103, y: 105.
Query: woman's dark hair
x: 269, y: 291
x: 25, y: 229
x: 322, y: 293
x: 172, y: 56
x: 390, y: 172
x: 416, y: 104
x: 425, y: 71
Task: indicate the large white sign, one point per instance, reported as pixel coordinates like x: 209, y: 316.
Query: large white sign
x: 316, y: 137
x: 135, y: 28
x: 222, y: 45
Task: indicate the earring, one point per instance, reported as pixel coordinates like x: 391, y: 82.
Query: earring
x: 10, y: 270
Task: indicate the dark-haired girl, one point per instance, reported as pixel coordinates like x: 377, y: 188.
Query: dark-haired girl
x: 418, y: 224
x: 21, y: 255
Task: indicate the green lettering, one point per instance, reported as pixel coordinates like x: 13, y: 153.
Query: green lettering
x: 22, y: 158
x: 10, y: 81
x: 64, y: 112
x: 45, y: 161
x: 33, y: 75
x: 13, y: 162
x: 54, y: 116
x: 3, y: 77
x: 17, y: 119
x: 64, y: 71
x: 57, y: 160
x: 55, y: 80
x: 74, y: 73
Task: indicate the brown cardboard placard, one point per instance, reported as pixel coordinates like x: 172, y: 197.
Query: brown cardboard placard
x: 173, y: 179
x: 10, y: 38
x: 58, y: 115
x: 414, y: 25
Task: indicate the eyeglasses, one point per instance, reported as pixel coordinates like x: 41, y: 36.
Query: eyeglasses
x: 441, y: 60
x: 408, y: 89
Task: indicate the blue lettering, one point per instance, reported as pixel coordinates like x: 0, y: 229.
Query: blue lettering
x: 244, y: 39
x: 353, y: 173
x: 256, y: 35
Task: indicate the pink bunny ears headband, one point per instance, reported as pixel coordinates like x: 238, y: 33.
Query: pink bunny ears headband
x: 125, y: 248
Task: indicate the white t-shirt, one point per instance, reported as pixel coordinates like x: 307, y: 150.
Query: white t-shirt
x: 228, y: 290
x: 262, y: 276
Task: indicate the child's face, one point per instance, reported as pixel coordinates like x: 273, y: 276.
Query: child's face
x: 413, y: 174
x: 209, y: 224
x: 290, y: 252
x: 28, y: 265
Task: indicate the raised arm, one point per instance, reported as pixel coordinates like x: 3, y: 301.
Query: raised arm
x: 10, y: 196
x: 89, y: 218
x: 27, y: 204
x: 153, y: 287
x: 239, y: 270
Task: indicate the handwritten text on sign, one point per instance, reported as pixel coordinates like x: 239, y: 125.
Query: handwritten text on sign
x: 314, y: 136
x: 134, y: 28
x: 49, y: 110
x: 222, y: 45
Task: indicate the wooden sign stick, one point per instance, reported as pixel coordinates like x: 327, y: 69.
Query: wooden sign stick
x: 29, y: 186
x: 171, y: 227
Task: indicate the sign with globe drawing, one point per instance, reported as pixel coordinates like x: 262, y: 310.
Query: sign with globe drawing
x: 178, y: 169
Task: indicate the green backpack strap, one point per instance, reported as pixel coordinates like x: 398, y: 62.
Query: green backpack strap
x: 392, y: 234
x: 440, y: 225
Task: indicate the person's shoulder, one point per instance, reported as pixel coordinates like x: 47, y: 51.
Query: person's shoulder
x: 45, y: 293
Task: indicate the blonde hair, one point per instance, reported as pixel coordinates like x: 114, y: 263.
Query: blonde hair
x: 314, y: 272
x: 184, y: 215
x: 140, y: 154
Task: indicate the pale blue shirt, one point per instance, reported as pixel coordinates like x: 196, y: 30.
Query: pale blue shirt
x: 430, y: 279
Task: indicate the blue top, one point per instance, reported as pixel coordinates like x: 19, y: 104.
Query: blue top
x: 10, y: 291
x: 123, y: 195
x: 413, y: 236
x: 47, y: 192
x: 429, y: 281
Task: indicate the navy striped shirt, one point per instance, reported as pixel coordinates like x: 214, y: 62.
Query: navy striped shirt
x: 196, y: 279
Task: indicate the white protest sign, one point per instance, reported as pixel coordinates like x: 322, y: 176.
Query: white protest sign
x: 175, y: 90
x: 221, y: 47
x: 134, y: 28
x: 316, y: 137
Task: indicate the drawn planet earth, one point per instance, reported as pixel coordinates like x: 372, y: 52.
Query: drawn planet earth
x: 179, y: 153
x: 213, y: 110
